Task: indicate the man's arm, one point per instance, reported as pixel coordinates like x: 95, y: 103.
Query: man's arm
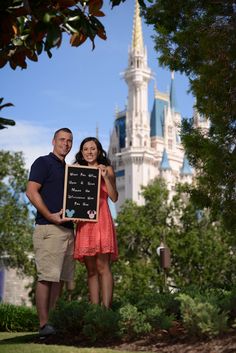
x: 32, y: 192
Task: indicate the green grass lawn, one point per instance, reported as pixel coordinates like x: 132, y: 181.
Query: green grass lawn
x: 14, y: 342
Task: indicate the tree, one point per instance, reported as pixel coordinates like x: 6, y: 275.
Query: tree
x: 29, y: 27
x: 197, y: 246
x: 197, y: 38
x: 3, y: 121
x: 16, y: 226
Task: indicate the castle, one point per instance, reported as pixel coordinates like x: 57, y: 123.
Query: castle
x: 143, y: 146
x: 146, y: 145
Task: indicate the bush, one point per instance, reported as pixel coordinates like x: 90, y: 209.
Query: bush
x: 227, y: 302
x: 91, y: 323
x: 202, y: 319
x: 158, y: 319
x: 17, y: 318
x: 100, y: 324
x: 165, y: 301
x: 68, y: 317
x: 132, y: 322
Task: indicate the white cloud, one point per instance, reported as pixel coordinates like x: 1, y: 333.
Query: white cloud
x: 35, y: 140
x: 32, y: 139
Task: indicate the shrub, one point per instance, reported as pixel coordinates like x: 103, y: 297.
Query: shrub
x: 18, y: 318
x: 132, y: 322
x: 68, y: 317
x: 227, y: 302
x: 157, y: 318
x: 92, y: 323
x: 202, y: 319
x: 100, y: 324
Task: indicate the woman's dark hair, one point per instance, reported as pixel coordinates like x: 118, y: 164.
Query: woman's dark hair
x: 102, y: 155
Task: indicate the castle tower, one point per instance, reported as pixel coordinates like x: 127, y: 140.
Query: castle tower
x: 137, y: 77
x: 146, y: 146
x: 135, y: 158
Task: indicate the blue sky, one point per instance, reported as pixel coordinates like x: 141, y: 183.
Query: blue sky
x: 78, y: 88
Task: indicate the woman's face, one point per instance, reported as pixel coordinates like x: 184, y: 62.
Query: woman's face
x: 90, y: 152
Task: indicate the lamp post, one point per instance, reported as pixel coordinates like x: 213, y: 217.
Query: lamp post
x: 165, y: 260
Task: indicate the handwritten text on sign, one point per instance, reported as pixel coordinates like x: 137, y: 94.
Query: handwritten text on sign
x: 81, y: 193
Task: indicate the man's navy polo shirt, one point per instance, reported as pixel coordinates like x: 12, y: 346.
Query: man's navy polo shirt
x: 49, y: 171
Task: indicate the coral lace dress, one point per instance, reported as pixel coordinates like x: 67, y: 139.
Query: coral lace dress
x: 97, y: 237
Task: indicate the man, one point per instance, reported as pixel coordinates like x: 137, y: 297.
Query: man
x: 53, y: 237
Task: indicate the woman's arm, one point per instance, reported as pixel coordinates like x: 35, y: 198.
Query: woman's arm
x: 109, y: 177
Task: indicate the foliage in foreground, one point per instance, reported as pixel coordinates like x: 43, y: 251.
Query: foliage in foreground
x: 203, y: 314
x: 27, y: 28
x: 17, y: 318
x: 202, y: 318
x: 94, y: 323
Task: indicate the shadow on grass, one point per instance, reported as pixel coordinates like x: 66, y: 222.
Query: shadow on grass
x: 57, y: 339
x: 24, y: 338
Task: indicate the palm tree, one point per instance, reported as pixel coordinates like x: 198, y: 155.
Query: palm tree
x: 4, y: 121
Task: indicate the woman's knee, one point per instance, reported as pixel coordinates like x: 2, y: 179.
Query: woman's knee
x: 103, y: 268
x: 91, y: 267
x: 92, y: 273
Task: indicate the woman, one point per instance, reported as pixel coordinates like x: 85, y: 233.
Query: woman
x: 95, y: 243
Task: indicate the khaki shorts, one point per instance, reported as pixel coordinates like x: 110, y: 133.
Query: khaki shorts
x: 54, y: 248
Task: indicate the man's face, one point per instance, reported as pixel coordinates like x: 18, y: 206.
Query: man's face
x: 62, y: 144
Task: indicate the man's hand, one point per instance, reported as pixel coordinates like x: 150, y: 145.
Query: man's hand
x: 56, y: 218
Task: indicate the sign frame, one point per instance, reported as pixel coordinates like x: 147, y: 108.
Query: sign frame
x: 75, y: 177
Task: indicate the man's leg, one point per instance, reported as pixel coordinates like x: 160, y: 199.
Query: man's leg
x: 55, y: 293
x: 42, y: 301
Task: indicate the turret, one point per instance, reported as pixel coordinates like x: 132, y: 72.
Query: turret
x: 137, y: 76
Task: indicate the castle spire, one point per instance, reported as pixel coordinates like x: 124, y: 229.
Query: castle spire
x: 137, y: 35
x: 165, y: 165
x: 97, y: 131
x: 173, y: 100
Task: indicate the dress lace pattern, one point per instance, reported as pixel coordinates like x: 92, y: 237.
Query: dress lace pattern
x: 97, y: 237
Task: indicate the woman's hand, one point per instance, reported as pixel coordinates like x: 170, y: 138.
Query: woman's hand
x: 104, y: 170
x: 110, y: 180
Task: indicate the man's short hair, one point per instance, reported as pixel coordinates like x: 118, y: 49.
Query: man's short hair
x: 64, y: 129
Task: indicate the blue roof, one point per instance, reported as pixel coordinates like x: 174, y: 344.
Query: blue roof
x: 173, y: 100
x: 186, y: 169
x: 165, y: 165
x: 120, y: 173
x: 157, y: 117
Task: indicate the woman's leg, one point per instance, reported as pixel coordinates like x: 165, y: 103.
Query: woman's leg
x: 106, y: 279
x: 93, y: 282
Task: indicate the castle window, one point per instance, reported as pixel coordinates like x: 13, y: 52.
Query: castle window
x: 170, y: 144
x: 170, y: 129
x: 113, y: 150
